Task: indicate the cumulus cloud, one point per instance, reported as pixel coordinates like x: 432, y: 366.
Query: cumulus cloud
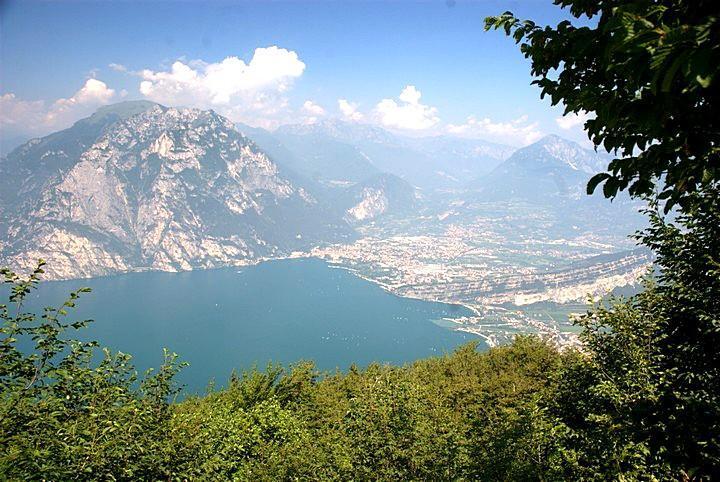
x: 313, y: 111
x: 21, y: 116
x: 572, y: 119
x: 350, y: 110
x: 94, y: 93
x: 312, y: 108
x: 409, y: 113
x: 410, y: 94
x: 18, y: 112
x: 231, y: 86
x: 516, y: 132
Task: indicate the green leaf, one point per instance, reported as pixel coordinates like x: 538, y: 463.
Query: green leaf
x: 595, y: 180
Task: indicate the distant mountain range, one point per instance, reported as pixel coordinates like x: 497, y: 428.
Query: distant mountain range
x: 141, y: 186
x: 334, y: 151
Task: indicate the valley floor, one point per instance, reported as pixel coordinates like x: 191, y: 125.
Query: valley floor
x: 518, y: 273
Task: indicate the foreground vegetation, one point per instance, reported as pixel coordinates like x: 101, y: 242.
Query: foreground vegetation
x: 641, y: 401
x: 468, y: 414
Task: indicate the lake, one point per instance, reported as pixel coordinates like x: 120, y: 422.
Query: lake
x: 231, y: 318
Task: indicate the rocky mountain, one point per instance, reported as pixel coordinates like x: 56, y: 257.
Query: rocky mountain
x: 550, y: 169
x: 27, y: 169
x: 381, y: 195
x: 363, y: 195
x: 142, y: 186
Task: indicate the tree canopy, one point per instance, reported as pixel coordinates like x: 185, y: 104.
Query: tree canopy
x: 647, y: 70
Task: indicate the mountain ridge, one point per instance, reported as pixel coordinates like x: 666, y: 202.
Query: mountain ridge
x: 334, y: 150
x: 548, y: 170
x: 164, y: 188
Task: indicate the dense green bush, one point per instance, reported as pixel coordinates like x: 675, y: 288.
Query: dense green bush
x: 646, y: 399
x: 64, y: 417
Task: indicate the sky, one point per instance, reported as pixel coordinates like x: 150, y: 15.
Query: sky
x: 418, y: 68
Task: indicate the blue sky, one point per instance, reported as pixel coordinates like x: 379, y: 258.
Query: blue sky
x: 415, y: 67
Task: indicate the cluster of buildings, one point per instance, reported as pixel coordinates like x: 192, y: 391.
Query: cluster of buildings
x: 503, y: 279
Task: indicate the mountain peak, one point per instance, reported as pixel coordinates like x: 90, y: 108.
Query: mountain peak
x: 555, y: 149
x: 551, y: 139
x: 120, y: 110
x: 550, y: 169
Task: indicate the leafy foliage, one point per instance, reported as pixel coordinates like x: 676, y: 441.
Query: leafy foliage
x: 464, y: 415
x: 647, y: 398
x: 643, y: 400
x: 64, y: 417
x: 648, y: 71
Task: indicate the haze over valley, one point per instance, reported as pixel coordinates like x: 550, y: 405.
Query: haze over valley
x: 507, y: 232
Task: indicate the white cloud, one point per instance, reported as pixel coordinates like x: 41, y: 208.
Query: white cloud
x: 409, y: 113
x: 410, y: 95
x: 244, y: 91
x: 36, y: 118
x: 117, y: 67
x: 572, y: 119
x: 516, y: 132
x: 313, y: 111
x: 349, y: 110
x: 93, y: 94
x: 312, y: 108
x: 18, y: 112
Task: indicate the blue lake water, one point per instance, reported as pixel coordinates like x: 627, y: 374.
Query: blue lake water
x: 284, y: 311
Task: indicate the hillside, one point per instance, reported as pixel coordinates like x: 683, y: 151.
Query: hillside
x: 142, y: 186
x: 548, y: 170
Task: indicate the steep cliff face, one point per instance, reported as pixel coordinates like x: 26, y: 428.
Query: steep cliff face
x: 165, y: 189
x: 377, y: 196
